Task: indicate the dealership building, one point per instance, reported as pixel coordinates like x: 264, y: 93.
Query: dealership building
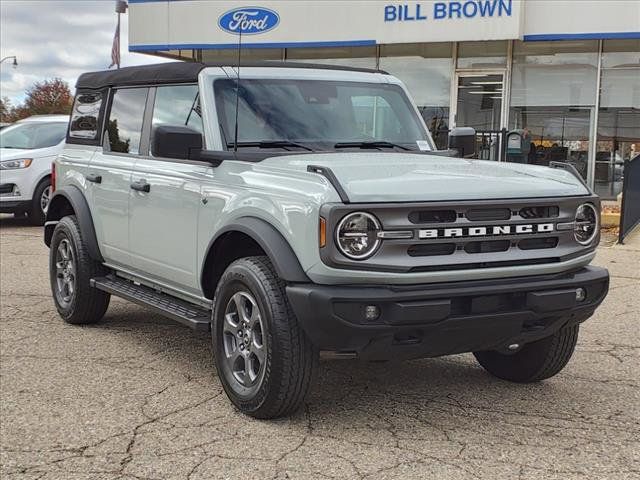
x: 566, y: 73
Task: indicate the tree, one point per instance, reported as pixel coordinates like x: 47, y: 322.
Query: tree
x: 5, y: 109
x: 47, y: 97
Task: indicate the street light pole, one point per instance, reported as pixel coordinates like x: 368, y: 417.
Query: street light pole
x: 15, y: 60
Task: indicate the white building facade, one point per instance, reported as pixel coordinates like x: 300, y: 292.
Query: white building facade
x: 566, y: 72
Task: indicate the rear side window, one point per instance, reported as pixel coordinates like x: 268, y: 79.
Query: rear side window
x: 177, y: 105
x: 85, y: 117
x: 124, y: 127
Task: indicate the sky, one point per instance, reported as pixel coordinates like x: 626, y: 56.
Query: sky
x: 58, y: 39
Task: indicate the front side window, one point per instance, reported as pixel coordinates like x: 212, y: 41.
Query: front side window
x: 32, y: 135
x: 124, y: 127
x: 318, y: 114
x: 85, y: 116
x: 177, y: 105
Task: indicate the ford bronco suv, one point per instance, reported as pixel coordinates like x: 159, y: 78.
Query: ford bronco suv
x: 294, y: 209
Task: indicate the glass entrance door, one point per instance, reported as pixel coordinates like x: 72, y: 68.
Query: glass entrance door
x: 479, y: 104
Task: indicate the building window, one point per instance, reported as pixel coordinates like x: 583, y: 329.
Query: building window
x: 231, y: 54
x: 125, y: 119
x: 553, y: 91
x: 362, y: 57
x: 619, y: 114
x: 425, y: 69
x: 482, y: 54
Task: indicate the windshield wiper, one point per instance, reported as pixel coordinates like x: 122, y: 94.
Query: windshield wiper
x: 372, y: 144
x: 271, y: 144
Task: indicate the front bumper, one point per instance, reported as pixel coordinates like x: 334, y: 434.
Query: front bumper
x: 8, y: 205
x: 442, y: 319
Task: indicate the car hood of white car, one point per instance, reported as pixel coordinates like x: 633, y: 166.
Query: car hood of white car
x: 14, y: 153
x: 406, y: 177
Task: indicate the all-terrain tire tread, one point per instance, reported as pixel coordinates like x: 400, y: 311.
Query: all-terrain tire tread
x: 536, y: 361
x: 90, y: 303
x: 560, y: 353
x: 297, y: 357
x: 299, y: 365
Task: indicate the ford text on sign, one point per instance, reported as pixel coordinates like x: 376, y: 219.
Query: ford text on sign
x: 248, y: 20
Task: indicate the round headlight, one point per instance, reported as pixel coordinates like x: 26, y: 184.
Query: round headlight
x: 586, y: 224
x: 357, y: 235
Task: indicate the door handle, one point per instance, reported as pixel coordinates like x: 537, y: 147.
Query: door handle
x: 93, y: 178
x: 140, y: 186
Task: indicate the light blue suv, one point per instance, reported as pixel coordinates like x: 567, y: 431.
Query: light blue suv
x: 298, y: 208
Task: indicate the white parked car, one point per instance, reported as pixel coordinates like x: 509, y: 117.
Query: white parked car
x: 27, y: 149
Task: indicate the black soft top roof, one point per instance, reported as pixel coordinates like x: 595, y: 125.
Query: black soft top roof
x: 182, y: 72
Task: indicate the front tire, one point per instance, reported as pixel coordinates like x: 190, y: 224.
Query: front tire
x: 535, y: 361
x: 264, y: 359
x: 40, y: 202
x: 70, y: 270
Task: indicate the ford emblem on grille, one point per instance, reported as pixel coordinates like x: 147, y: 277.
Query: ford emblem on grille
x: 249, y: 20
x: 490, y: 231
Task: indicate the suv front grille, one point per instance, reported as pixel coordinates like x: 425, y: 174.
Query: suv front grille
x: 488, y: 246
x: 465, y: 235
x: 538, y: 243
x: 488, y: 214
x: 430, y: 250
x: 539, y: 212
x: 433, y: 216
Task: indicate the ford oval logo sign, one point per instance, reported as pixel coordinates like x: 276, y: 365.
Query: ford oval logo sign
x: 249, y: 20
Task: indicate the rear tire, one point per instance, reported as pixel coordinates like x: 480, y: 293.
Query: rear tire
x: 535, y: 361
x: 70, y: 269
x: 264, y: 359
x: 40, y: 202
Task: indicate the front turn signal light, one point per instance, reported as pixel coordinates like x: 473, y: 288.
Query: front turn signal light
x: 322, y: 233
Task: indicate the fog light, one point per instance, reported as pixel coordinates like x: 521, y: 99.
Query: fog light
x: 581, y: 294
x: 371, y: 313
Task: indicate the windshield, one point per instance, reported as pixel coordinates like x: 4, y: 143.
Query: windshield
x: 31, y: 135
x: 318, y: 114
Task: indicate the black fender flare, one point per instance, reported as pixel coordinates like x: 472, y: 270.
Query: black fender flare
x: 74, y: 196
x: 271, y: 241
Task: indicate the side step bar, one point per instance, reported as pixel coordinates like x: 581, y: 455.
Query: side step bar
x: 190, y: 315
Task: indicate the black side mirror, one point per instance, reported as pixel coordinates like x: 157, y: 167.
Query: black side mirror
x: 463, y: 139
x: 175, y: 141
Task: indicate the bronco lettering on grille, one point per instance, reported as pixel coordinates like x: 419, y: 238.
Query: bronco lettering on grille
x: 490, y: 231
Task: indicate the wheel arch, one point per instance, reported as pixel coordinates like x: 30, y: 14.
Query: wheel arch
x: 70, y: 200
x: 249, y: 236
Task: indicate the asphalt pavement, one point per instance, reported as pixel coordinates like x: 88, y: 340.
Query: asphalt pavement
x: 137, y: 397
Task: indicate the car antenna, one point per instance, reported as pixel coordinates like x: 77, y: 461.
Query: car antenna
x: 235, y: 133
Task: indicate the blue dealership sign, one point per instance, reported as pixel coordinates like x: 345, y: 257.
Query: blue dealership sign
x: 249, y: 20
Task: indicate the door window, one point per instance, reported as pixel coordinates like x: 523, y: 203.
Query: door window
x: 85, y: 116
x: 125, y: 120
x: 177, y: 105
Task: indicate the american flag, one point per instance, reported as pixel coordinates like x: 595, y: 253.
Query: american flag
x: 115, y: 48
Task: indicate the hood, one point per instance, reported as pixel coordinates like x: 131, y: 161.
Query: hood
x: 13, y: 153
x: 405, y: 177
